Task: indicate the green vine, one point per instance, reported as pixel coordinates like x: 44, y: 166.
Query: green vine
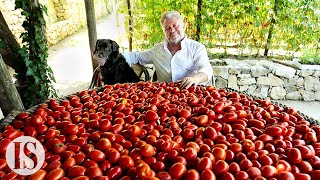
x: 38, y: 86
x: 246, y: 27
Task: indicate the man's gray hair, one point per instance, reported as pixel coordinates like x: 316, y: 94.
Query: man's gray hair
x: 169, y: 15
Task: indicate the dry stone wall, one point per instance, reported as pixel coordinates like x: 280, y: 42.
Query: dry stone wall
x: 264, y: 78
x: 64, y: 17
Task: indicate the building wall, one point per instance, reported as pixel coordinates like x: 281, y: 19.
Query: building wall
x: 64, y: 17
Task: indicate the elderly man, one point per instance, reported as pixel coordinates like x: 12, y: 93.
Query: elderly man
x: 177, y: 58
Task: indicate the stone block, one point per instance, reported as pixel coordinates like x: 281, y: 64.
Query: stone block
x: 307, y: 95
x: 284, y: 71
x: 296, y: 95
x: 306, y: 72
x: 221, y: 71
x: 311, y: 83
x: 257, y: 71
x: 244, y: 88
x: 232, y: 82
x: 221, y: 83
x: 261, y: 91
x: 271, y: 80
x: 278, y: 93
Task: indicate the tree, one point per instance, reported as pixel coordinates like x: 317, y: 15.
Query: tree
x: 92, y: 30
x: 9, y: 96
x: 9, y: 49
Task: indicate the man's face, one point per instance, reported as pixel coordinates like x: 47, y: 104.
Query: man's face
x: 173, y: 29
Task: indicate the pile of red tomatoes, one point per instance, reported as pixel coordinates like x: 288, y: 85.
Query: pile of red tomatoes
x: 155, y: 130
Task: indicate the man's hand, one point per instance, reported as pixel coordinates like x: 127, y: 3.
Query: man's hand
x: 188, y: 81
x: 101, y: 61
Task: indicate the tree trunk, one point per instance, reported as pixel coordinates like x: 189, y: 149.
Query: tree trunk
x: 92, y: 29
x: 198, y: 21
x: 9, y: 48
x: 273, y: 22
x: 130, y: 24
x: 9, y: 96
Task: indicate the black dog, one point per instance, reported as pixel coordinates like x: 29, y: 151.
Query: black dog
x: 115, y: 69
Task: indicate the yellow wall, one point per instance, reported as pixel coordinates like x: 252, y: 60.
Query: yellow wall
x: 64, y: 17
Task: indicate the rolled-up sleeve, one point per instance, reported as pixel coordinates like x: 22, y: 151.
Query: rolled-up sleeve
x: 202, y: 62
x: 142, y: 58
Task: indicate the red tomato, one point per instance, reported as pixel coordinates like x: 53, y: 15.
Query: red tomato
x: 103, y: 144
x: 4, y: 143
x: 126, y: 162
x: 204, y: 163
x: 253, y: 172
x: 269, y: 171
x: 76, y: 171
x: 93, y: 172
x: 286, y: 175
x: 192, y: 174
x: 151, y: 116
x: 219, y: 153
x: 208, y: 175
x: 55, y: 174
x: 39, y: 175
x: 177, y: 170
x: 143, y: 170
x: 294, y: 155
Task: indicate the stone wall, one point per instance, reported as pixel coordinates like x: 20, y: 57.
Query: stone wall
x: 264, y: 78
x: 64, y: 17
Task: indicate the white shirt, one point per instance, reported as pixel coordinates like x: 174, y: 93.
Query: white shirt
x: 190, y: 60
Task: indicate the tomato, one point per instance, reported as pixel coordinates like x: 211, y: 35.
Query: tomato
x: 4, y: 143
x: 294, y: 155
x: 305, y: 167
x: 68, y: 163
x: 269, y: 171
x: 113, y: 155
x: 58, y: 148
x: 192, y: 174
x: 53, y: 165
x: 96, y: 155
x: 39, y: 175
x: 184, y: 113
x: 163, y: 175
x: 253, y: 172
x: 55, y: 174
x: 151, y: 116
x: 126, y: 162
x: 219, y: 107
x: 219, y: 153
x: 93, y: 172
x: 204, y: 163
x: 103, y: 144
x: 202, y: 120
x: 76, y: 171
x: 208, y: 175
x: 81, y: 178
x: 177, y: 170
x: 302, y: 176
x: 220, y: 167
x: 143, y: 170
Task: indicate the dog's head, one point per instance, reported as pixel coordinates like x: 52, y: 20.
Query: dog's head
x: 105, y: 47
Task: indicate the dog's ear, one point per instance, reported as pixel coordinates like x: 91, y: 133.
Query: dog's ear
x: 96, y: 48
x: 115, y: 47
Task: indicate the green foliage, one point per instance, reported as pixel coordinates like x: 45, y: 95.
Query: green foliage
x: 241, y: 24
x: 310, y: 57
x: 38, y: 86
